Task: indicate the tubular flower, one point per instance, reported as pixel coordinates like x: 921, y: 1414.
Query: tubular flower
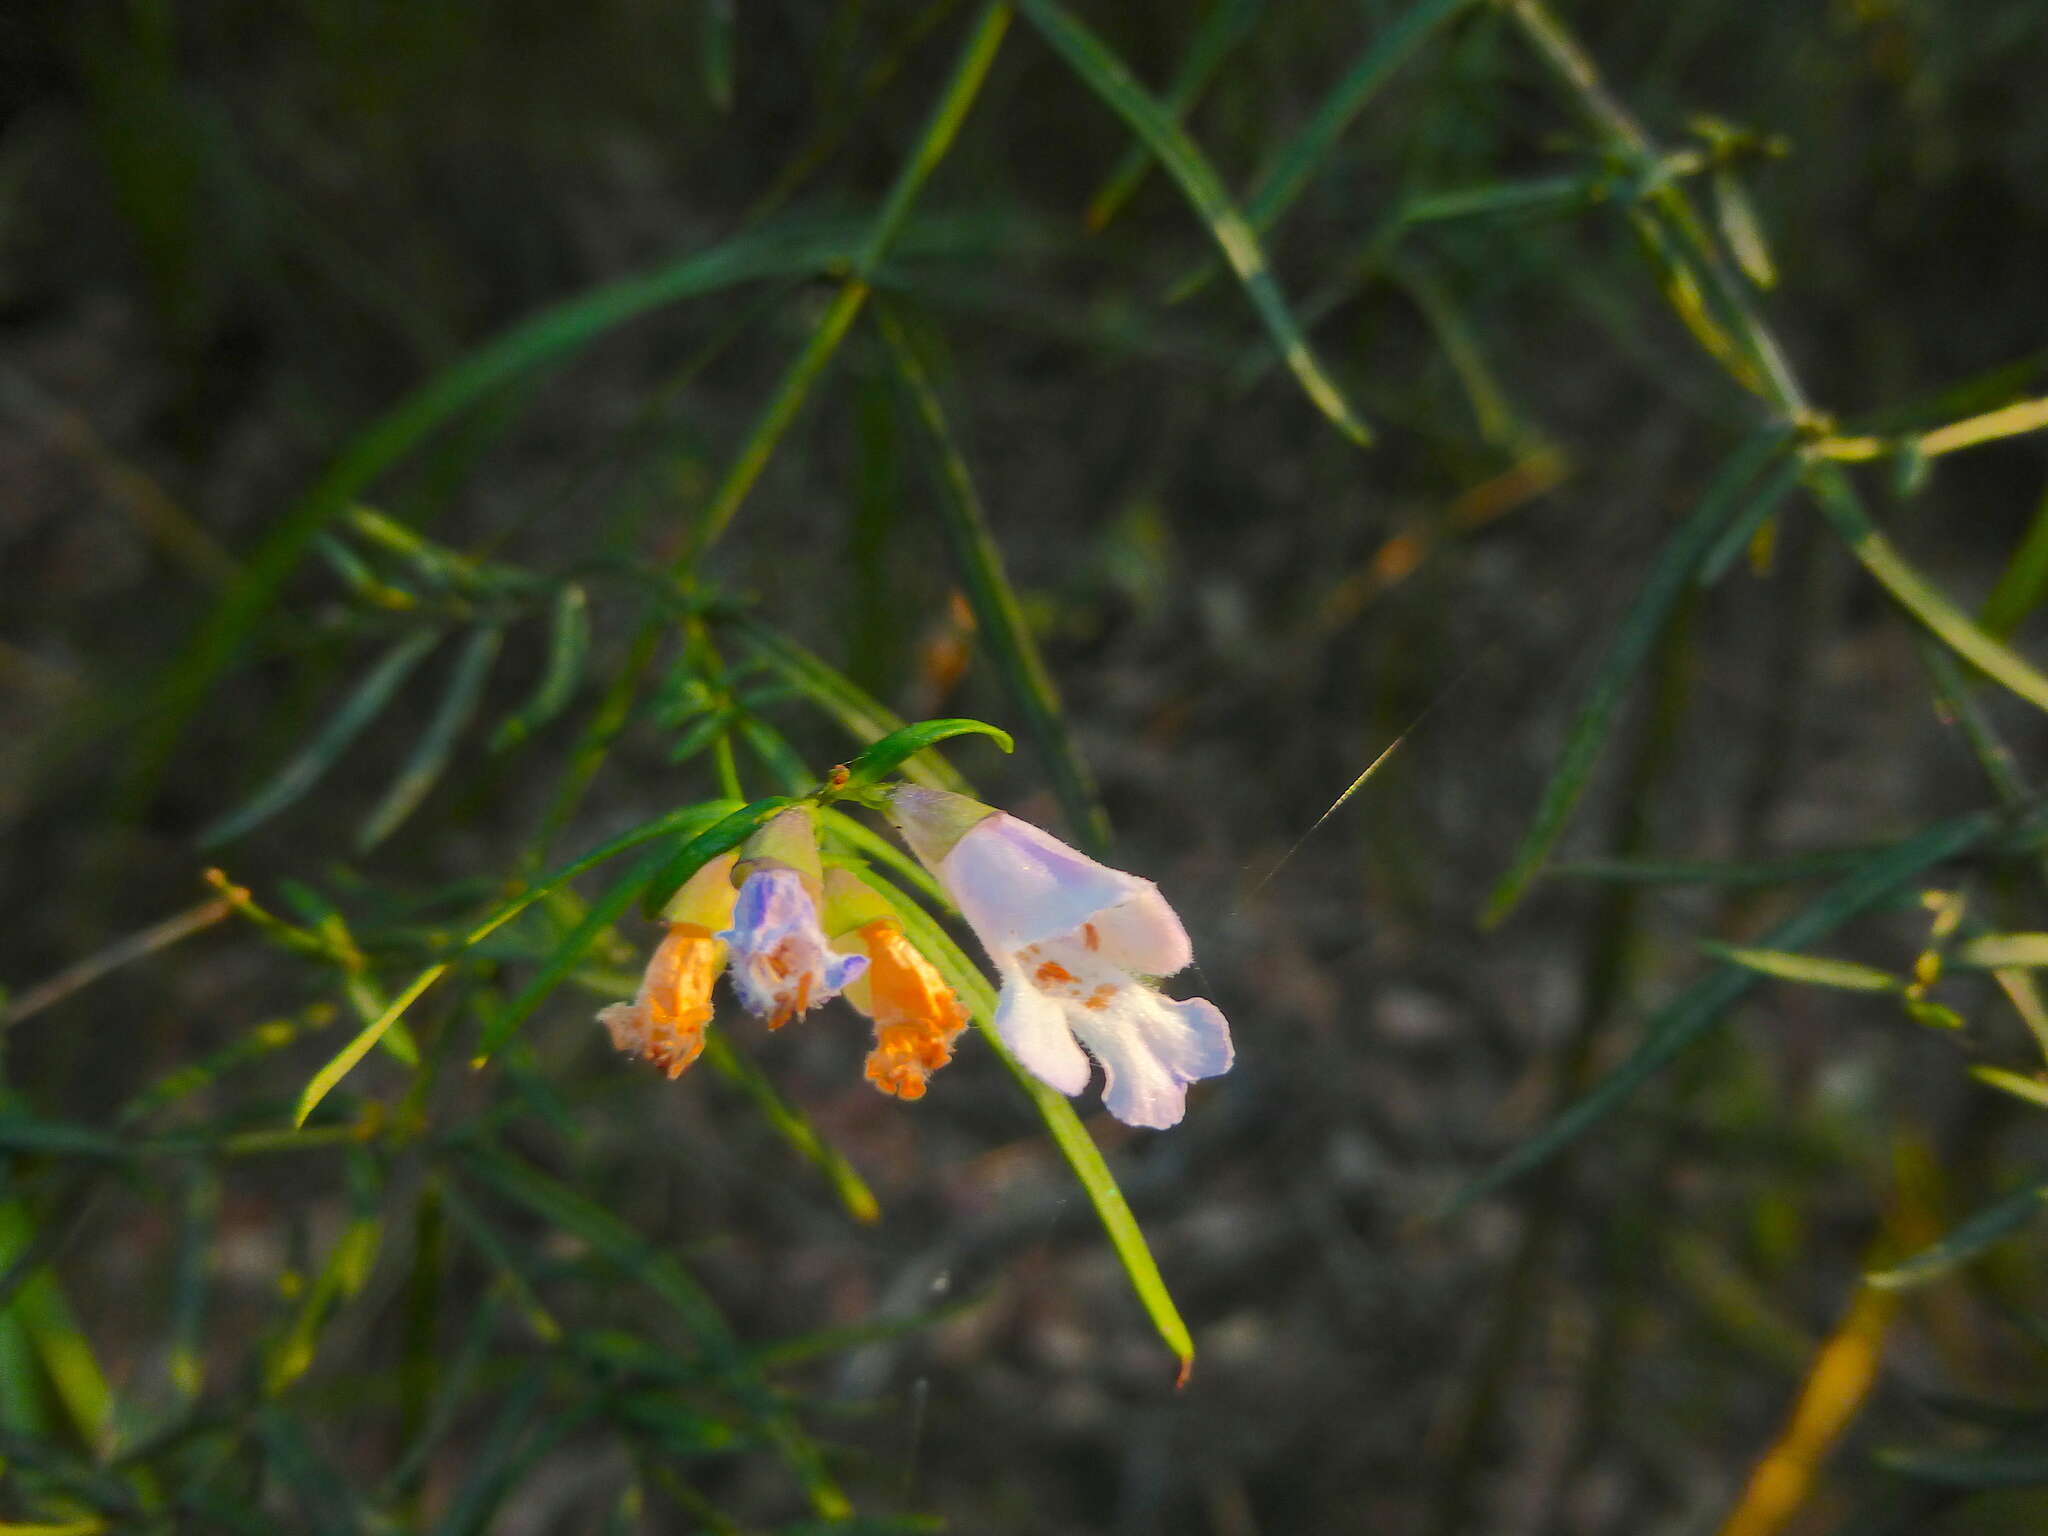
x: 916, y: 1015
x: 1073, y: 942
x: 665, y: 1021
x: 781, y: 964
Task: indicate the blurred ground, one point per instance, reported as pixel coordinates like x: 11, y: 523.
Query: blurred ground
x: 228, y: 234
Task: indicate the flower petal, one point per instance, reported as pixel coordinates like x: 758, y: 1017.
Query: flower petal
x: 1151, y: 1048
x: 1016, y: 884
x: 1034, y: 1027
x: 1143, y: 934
x: 781, y: 963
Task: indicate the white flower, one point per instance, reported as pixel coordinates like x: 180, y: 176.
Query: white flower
x: 1073, y: 942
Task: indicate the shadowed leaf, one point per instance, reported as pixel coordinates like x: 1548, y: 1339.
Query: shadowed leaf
x: 357, y: 711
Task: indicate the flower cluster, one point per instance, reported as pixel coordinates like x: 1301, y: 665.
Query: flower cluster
x: 1079, y: 948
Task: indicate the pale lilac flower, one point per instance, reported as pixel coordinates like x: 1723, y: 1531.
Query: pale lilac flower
x: 1074, y: 943
x: 782, y: 965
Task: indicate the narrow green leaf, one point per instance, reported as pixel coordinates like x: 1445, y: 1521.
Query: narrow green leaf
x: 25, y: 1133
x: 1065, y: 1127
x: 350, y: 1056
x: 715, y: 38
x: 1813, y: 970
x: 1957, y: 703
x: 1107, y: 75
x: 323, y: 1495
x: 707, y: 845
x: 1700, y: 1006
x: 1656, y: 599
x: 1742, y: 229
x: 1914, y: 593
x: 519, y: 1436
x: 1967, y: 1469
x: 2023, y: 582
x: 1500, y: 197
x: 53, y: 1332
x: 1226, y: 25
x: 192, y: 1282
x: 864, y: 717
x: 2024, y: 994
x: 364, y: 703
x: 1992, y: 951
x: 886, y: 755
x: 1760, y: 504
x: 2033, y: 1089
x: 776, y: 417
x: 1307, y: 150
x: 969, y: 71
x: 993, y: 600
x: 437, y: 742
x: 568, y: 648
x: 795, y: 1128
x: 343, y: 1275
x: 782, y: 760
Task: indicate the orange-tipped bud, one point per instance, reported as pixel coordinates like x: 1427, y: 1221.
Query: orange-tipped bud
x: 665, y: 1022
x: 916, y: 1015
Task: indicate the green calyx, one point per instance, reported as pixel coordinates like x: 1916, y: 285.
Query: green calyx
x: 933, y: 820
x: 851, y: 903
x: 706, y: 898
x: 787, y: 840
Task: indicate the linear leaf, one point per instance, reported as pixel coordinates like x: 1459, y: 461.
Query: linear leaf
x: 795, y: 1128
x: 1307, y: 150
x: 886, y: 755
x: 1968, y: 1469
x: 1993, y: 950
x: 1107, y: 75
x: 1654, y: 603
x: 2033, y: 1089
x: 1761, y: 502
x: 350, y: 1056
x: 1000, y: 616
x: 715, y: 39
x: 1915, y: 593
x: 386, y: 675
x: 1226, y: 25
x: 1815, y: 970
x: 1700, y: 1006
x: 2022, y: 584
x: 864, y: 717
x: 568, y: 648
x: 1981, y: 1231
x: 437, y: 742
x: 970, y: 69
